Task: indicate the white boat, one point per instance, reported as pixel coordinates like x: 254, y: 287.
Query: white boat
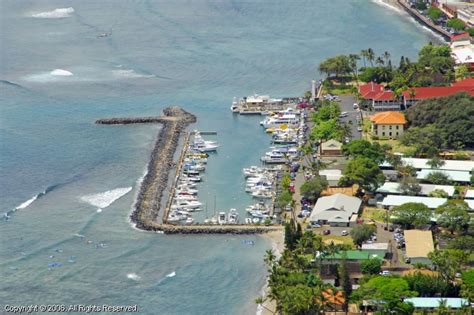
x: 186, y: 191
x: 255, y: 220
x: 235, y: 105
x: 276, y: 157
x: 189, y: 220
x: 183, y: 185
x: 222, y: 218
x: 248, y: 220
x: 186, y: 204
x: 191, y: 178
x: 289, y: 120
x: 233, y: 216
x: 262, y: 194
x: 214, y: 220
x: 202, y: 145
x: 185, y: 197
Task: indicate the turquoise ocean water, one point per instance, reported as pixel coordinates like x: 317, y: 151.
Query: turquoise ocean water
x: 198, y: 54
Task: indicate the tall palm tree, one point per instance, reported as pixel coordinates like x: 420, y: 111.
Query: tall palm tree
x: 364, y: 54
x: 379, y: 61
x: 386, y: 56
x: 370, y: 56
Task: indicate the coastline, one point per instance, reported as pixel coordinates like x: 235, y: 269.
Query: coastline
x: 277, y: 240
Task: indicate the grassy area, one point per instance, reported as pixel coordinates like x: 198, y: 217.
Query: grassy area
x: 338, y: 238
x: 396, y: 146
x: 375, y: 214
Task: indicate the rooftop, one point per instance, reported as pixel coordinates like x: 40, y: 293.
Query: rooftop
x: 335, y: 208
x: 426, y: 189
x: 388, y: 118
x: 434, y: 302
x: 430, y: 202
x: 354, y: 255
x: 331, y: 145
x: 419, y: 93
x: 457, y: 176
x: 453, y: 165
x: 418, y: 243
x: 470, y: 193
x: 375, y: 246
x: 369, y: 90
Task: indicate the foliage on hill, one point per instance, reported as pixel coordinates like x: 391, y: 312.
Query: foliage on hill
x: 441, y: 123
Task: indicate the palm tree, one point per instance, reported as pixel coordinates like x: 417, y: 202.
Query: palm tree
x: 364, y: 54
x: 269, y: 258
x: 370, y: 56
x: 261, y: 301
x: 386, y: 56
x: 379, y: 61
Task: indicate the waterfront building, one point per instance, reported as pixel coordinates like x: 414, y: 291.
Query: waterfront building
x: 336, y: 210
x: 462, y: 50
x: 388, y: 124
x: 418, y: 245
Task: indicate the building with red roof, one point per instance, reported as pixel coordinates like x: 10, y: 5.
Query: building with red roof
x: 385, y: 100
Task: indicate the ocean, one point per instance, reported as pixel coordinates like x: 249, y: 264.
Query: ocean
x: 65, y: 64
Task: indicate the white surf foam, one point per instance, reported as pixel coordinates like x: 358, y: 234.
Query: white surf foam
x: 54, y: 14
x: 61, y: 72
x: 105, y: 199
x: 130, y: 74
x: 133, y: 276
x: 387, y: 5
x: 171, y: 275
x: 27, y: 203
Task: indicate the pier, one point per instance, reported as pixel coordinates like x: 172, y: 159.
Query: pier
x: 147, y: 214
x: 425, y: 20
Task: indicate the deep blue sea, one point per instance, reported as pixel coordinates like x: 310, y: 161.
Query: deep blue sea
x: 58, y: 76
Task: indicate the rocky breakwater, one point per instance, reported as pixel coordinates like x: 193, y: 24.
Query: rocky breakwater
x: 148, y: 204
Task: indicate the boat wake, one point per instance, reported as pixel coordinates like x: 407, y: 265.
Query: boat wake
x: 54, y: 14
x: 105, y: 199
x: 61, y: 72
x: 133, y: 276
x: 130, y: 74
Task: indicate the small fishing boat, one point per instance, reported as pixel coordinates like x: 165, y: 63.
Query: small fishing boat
x: 222, y: 218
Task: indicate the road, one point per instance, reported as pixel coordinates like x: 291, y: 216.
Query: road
x: 347, y: 105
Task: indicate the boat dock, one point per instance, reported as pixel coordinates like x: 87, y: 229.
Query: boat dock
x: 262, y: 104
x: 150, y: 211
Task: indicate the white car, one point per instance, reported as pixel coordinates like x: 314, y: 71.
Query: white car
x: 344, y: 233
x: 356, y: 105
x: 385, y: 273
x: 359, y: 129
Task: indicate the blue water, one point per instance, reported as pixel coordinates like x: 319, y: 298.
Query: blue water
x: 198, y: 54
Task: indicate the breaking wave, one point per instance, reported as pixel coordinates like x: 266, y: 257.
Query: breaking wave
x: 133, y: 276
x: 54, y: 14
x: 105, y: 199
x: 28, y: 202
x: 387, y: 5
x: 130, y: 74
x: 61, y: 72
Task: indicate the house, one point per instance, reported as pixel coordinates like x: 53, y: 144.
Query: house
x: 394, y: 200
x: 448, y: 165
x: 385, y: 100
x: 336, y: 210
x: 418, y: 244
x: 388, y: 124
x: 352, y: 259
x: 393, y: 188
x: 332, y: 176
x: 433, y: 303
x: 331, y: 148
x: 376, y: 249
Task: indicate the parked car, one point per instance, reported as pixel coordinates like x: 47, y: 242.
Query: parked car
x: 344, y: 233
x: 359, y: 129
x: 385, y: 273
x: 343, y: 114
x: 356, y: 105
x: 326, y: 232
x: 315, y: 225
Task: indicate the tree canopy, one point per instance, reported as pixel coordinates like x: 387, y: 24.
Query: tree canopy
x: 337, y: 66
x: 454, y: 216
x: 371, y: 266
x: 443, y: 122
x: 456, y: 24
x: 412, y: 214
x: 364, y: 148
x: 361, y: 233
x: 364, y: 172
x: 312, y: 188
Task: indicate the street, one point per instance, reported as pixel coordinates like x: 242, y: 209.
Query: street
x: 347, y: 105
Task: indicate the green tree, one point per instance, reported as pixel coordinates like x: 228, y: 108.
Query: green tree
x: 430, y: 286
x: 326, y: 130
x: 326, y: 111
x: 361, y: 233
x: 420, y: 5
x: 438, y: 178
x: 467, y: 287
x: 448, y: 262
x: 364, y: 172
x: 371, y: 266
x: 456, y: 24
x: 470, y: 31
x: 434, y: 13
x: 345, y: 281
x: 462, y: 71
x: 312, y: 188
x: 438, y: 193
x: 426, y: 140
x: 363, y: 148
x: 454, y: 216
x: 284, y: 199
x: 412, y: 214
x: 463, y: 242
x: 409, y: 185
x: 338, y: 65
x: 387, y: 293
x: 435, y: 162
